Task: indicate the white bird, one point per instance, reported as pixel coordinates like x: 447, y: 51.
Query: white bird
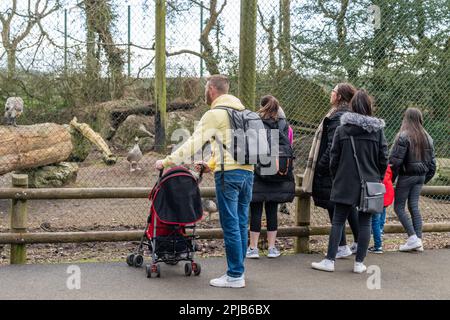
x: 13, y: 109
x: 209, y: 207
x: 134, y: 156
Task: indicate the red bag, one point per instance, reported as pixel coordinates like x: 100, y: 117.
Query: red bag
x: 390, y: 193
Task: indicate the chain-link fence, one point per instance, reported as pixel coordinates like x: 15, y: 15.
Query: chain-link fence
x: 95, y: 60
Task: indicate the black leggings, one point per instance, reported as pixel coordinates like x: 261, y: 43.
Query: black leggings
x: 341, y: 212
x: 352, y: 221
x: 256, y: 209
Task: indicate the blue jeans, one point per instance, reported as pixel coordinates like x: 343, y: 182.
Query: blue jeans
x: 234, y: 194
x: 378, y: 221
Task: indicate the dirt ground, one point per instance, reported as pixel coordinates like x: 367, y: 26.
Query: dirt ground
x: 130, y: 214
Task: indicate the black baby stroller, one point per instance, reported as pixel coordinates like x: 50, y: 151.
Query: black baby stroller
x: 176, y: 207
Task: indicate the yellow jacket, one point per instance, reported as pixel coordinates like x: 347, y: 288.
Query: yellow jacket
x: 214, y: 123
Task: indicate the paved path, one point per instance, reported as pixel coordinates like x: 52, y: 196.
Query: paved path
x: 404, y: 276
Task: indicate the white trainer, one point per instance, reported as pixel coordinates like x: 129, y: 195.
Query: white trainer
x: 324, y: 265
x: 228, y: 282
x: 343, y: 252
x: 354, y: 248
x: 252, y: 253
x: 413, y: 243
x: 359, y: 267
x: 273, y: 253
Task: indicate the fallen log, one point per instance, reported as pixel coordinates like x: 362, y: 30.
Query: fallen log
x: 27, y: 147
x: 96, y: 139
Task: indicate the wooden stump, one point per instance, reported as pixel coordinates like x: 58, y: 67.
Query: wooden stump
x: 26, y: 147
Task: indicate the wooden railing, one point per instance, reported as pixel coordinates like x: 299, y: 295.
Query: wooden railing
x: 19, y: 194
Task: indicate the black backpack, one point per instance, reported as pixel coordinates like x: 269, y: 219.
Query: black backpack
x: 248, y: 135
x: 280, y: 167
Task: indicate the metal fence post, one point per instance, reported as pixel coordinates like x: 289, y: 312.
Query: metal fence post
x: 201, y: 31
x: 302, y: 218
x: 247, y: 53
x: 65, y: 42
x: 19, y: 214
x: 129, y: 41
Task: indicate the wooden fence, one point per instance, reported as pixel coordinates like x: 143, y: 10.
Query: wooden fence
x: 19, y: 194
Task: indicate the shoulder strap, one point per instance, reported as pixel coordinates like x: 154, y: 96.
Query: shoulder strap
x: 356, y: 159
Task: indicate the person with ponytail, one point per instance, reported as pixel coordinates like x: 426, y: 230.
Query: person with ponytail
x: 413, y: 164
x: 322, y: 183
x: 370, y: 147
x: 271, y: 190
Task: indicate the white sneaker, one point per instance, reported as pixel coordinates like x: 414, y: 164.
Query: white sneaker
x: 413, y: 243
x: 252, y: 253
x: 359, y: 267
x: 324, y: 265
x: 343, y: 252
x: 273, y: 253
x: 354, y: 248
x: 421, y: 249
x: 228, y: 282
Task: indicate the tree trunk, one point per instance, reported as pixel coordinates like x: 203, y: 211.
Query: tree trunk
x: 98, y: 12
x: 11, y: 54
x: 92, y: 64
x: 247, y: 53
x: 285, y: 36
x: 34, y: 146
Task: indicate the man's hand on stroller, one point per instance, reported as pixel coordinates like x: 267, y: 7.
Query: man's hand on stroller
x: 159, y: 165
x: 202, y: 166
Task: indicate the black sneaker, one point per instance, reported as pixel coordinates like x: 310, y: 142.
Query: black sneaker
x: 376, y: 250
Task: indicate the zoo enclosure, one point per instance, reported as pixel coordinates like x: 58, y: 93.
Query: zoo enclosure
x: 19, y: 194
x: 67, y: 64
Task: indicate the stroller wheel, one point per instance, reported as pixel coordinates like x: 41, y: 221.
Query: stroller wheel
x: 148, y: 271
x: 130, y: 259
x: 188, y: 269
x: 138, y: 261
x: 197, y: 268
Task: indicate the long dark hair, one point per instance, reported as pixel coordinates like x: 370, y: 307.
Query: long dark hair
x: 362, y: 103
x: 269, y: 107
x: 412, y: 126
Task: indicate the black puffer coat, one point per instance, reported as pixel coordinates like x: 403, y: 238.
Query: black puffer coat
x: 323, y: 182
x: 372, y: 152
x: 405, y: 163
x: 280, y: 192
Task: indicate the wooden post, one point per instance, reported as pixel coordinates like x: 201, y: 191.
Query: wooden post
x: 19, y: 214
x: 160, y: 76
x: 303, y: 219
x: 247, y: 53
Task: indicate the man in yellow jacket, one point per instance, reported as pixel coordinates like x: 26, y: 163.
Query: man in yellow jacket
x: 233, y: 185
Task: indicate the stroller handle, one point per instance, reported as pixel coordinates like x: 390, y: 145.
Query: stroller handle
x: 202, y: 171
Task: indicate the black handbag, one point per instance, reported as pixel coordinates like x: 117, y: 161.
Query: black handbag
x: 372, y: 193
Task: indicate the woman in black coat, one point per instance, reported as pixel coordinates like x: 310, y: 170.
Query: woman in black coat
x: 322, y: 183
x: 414, y: 162
x: 372, y: 152
x: 268, y: 192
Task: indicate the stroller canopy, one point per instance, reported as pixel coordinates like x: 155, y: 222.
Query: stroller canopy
x: 176, y: 198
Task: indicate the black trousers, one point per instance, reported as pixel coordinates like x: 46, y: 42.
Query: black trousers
x: 256, y: 210
x: 341, y: 212
x: 352, y: 221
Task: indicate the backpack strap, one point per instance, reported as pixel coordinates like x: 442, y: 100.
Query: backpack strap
x: 356, y: 159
